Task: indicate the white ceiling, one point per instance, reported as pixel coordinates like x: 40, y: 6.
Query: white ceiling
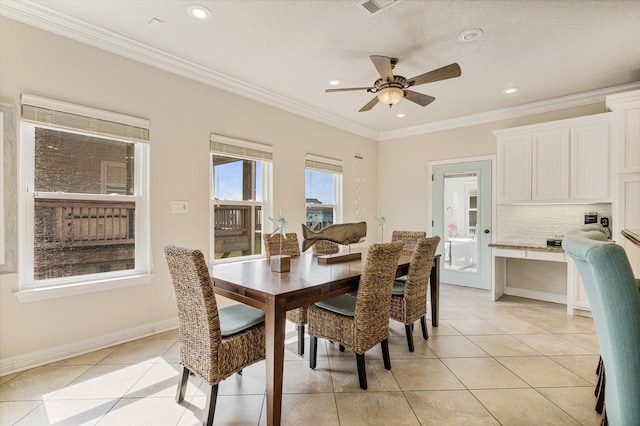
x: 283, y: 52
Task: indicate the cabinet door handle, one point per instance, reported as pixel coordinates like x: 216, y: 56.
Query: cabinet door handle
x: 486, y: 231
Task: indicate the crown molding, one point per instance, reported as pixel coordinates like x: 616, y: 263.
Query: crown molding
x: 622, y: 98
x: 55, y: 22
x: 563, y: 102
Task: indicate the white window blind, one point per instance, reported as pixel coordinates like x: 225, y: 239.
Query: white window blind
x: 323, y: 164
x: 73, y: 117
x: 223, y: 145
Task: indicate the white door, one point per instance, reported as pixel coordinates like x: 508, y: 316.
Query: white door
x: 462, y: 219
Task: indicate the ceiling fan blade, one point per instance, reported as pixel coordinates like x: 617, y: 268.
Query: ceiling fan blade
x: 449, y: 71
x: 347, y: 89
x: 383, y: 65
x: 369, y: 105
x: 419, y: 98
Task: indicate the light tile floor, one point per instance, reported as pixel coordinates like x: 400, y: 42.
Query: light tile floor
x: 511, y: 362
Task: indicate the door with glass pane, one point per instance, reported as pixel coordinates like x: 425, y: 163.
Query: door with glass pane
x: 462, y: 219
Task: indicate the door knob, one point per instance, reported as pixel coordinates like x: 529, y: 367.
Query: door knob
x: 486, y: 231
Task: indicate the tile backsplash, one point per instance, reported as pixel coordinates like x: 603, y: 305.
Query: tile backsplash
x: 533, y: 224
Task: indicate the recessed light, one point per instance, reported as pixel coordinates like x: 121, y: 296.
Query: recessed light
x: 401, y: 114
x: 510, y: 90
x: 334, y: 82
x: 470, y: 35
x: 199, y: 12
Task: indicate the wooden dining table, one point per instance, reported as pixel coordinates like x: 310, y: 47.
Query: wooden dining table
x: 253, y: 283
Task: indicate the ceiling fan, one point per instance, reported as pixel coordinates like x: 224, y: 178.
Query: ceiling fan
x: 390, y: 89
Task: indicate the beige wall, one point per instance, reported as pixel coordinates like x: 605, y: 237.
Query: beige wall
x: 182, y: 113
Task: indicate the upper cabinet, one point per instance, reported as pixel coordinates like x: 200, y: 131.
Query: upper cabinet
x: 590, y: 156
x: 626, y: 148
x: 549, y: 168
x: 556, y: 162
x: 514, y: 168
x: 626, y: 109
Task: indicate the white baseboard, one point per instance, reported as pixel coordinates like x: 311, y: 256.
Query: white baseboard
x: 537, y: 295
x: 58, y: 353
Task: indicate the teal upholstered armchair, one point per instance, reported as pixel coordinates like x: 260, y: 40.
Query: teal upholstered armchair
x: 615, y: 305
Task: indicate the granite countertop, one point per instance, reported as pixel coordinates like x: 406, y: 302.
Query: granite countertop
x: 518, y: 246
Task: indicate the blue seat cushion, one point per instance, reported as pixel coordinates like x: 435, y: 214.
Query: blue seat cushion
x: 345, y: 304
x: 398, y: 288
x: 238, y: 317
x: 402, y: 279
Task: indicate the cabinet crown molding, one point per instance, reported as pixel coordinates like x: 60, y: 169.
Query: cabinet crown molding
x: 604, y: 117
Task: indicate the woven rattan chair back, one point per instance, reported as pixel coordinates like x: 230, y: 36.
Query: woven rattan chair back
x: 276, y: 245
x: 325, y: 247
x: 374, y: 295
x: 203, y: 350
x: 366, y: 324
x: 415, y: 291
x: 409, y: 238
x: 412, y: 305
x: 199, y: 325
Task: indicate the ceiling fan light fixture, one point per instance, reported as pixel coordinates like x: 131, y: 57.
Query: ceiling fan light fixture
x: 390, y: 95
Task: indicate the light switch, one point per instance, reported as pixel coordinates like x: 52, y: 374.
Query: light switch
x: 179, y: 206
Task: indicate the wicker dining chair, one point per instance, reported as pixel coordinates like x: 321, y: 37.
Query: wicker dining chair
x: 359, y: 322
x: 325, y: 247
x: 274, y: 245
x: 409, y: 298
x: 409, y: 238
x: 214, y: 343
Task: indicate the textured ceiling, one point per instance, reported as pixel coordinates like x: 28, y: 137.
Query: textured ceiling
x: 285, y: 51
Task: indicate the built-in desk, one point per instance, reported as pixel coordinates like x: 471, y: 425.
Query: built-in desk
x: 556, y: 280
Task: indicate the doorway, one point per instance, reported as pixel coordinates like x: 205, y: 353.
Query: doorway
x: 462, y: 215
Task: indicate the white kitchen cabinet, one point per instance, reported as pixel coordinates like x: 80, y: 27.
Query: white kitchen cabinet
x: 626, y: 148
x: 590, y: 176
x: 626, y: 110
x: 549, y: 171
x: 514, y: 168
x: 555, y: 162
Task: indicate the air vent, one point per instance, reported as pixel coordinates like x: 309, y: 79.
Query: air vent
x: 373, y: 7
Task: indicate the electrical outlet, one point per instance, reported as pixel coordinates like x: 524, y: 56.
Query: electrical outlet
x: 604, y: 221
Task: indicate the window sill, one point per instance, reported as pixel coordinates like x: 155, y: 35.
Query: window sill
x: 32, y: 295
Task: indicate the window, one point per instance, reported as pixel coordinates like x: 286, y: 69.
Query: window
x: 86, y: 202
x: 323, y: 191
x: 240, y: 196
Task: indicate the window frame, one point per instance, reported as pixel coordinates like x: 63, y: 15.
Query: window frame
x: 31, y: 289
x: 243, y: 150
x: 335, y: 167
